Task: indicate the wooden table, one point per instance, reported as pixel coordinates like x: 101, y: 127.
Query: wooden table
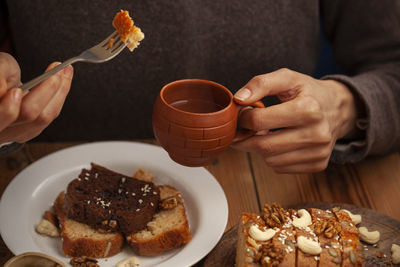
x: 248, y: 183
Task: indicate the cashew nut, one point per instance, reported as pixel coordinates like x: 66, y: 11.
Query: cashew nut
x: 45, y: 227
x: 129, y: 262
x: 356, y: 218
x: 395, y: 254
x: 369, y: 237
x: 304, y: 220
x: 253, y: 243
x: 259, y: 235
x: 308, y: 246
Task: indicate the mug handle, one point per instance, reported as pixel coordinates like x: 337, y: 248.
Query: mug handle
x: 244, y: 134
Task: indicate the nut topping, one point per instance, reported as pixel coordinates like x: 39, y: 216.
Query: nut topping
x: 274, y: 215
x: 271, y: 255
x: 83, y: 262
x: 112, y: 223
x: 328, y: 228
x: 169, y: 203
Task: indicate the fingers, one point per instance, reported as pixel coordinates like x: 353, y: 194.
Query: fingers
x: 303, y: 156
x: 9, y: 107
x: 287, y: 140
x: 299, y: 111
x: 296, y: 157
x: 53, y: 109
x: 38, y: 98
x: 42, y: 114
x: 304, y: 168
x: 283, y: 80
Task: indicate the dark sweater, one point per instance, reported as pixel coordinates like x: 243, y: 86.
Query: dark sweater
x: 225, y: 41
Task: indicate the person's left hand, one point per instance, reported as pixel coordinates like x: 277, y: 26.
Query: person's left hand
x: 312, y: 116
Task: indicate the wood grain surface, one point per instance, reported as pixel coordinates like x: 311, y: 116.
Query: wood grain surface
x: 248, y: 183
x: 225, y: 251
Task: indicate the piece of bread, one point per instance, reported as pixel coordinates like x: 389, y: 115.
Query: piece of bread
x: 326, y: 238
x: 169, y: 228
x: 79, y: 239
x: 128, y: 32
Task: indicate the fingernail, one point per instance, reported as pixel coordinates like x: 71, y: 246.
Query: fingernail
x: 68, y: 70
x: 17, y: 94
x: 243, y: 94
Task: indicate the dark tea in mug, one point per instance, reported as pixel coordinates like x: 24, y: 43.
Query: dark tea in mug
x: 197, y: 105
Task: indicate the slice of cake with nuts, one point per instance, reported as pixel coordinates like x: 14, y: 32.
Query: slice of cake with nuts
x: 284, y: 241
x: 248, y: 249
x: 267, y: 239
x: 307, y: 241
x: 327, y: 229
x: 349, y: 239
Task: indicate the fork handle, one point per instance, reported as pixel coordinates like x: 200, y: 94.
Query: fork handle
x: 34, y: 82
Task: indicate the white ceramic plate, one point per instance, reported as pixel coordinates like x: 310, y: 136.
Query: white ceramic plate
x: 34, y: 189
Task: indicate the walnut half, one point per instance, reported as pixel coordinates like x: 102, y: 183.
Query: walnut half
x: 169, y: 203
x: 274, y: 215
x: 83, y: 262
x: 329, y: 229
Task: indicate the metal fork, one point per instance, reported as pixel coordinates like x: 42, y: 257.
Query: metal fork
x: 97, y: 54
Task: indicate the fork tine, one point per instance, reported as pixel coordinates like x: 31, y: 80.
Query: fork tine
x: 105, y: 41
x: 119, y: 45
x: 106, y: 45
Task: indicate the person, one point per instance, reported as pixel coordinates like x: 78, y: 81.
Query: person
x: 265, y: 48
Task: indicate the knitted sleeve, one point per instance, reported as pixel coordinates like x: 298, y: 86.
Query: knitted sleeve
x: 366, y: 43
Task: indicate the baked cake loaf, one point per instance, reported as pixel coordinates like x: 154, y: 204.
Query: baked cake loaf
x: 111, y: 201
x: 312, y: 237
x: 80, y: 239
x: 128, y: 32
x: 169, y: 228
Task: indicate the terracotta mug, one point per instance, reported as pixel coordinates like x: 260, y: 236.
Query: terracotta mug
x: 194, y: 120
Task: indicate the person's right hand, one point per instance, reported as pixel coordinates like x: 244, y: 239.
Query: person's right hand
x: 24, y: 116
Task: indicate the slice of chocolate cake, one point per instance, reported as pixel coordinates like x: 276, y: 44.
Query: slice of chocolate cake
x: 111, y: 201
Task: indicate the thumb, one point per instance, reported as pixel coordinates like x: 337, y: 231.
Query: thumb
x: 272, y: 83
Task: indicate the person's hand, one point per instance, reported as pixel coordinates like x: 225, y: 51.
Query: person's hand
x: 312, y: 116
x: 23, y: 116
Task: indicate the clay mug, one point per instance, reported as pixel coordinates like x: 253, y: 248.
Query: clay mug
x: 194, y: 120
